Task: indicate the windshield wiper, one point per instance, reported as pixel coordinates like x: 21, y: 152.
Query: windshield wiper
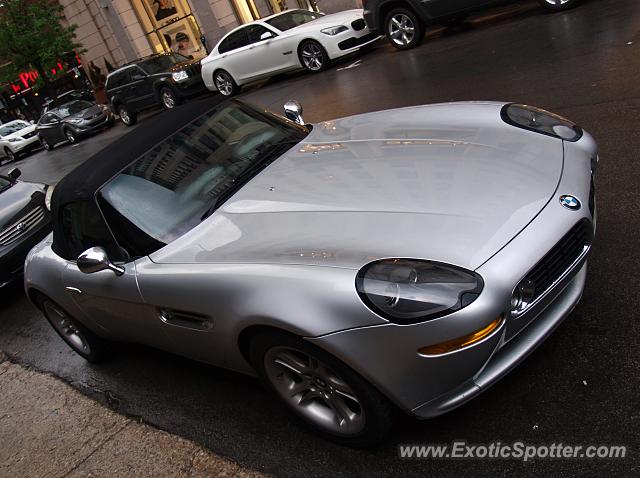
x: 272, y: 152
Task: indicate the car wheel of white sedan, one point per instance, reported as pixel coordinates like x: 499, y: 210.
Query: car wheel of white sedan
x: 322, y: 391
x: 403, y: 28
x: 313, y: 56
x: 225, y: 83
x: 558, y: 5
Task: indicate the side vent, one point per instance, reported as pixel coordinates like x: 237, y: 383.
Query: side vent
x: 187, y: 320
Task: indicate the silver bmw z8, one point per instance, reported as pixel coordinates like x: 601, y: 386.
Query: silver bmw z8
x: 397, y: 260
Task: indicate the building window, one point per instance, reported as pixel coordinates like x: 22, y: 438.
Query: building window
x: 170, y: 26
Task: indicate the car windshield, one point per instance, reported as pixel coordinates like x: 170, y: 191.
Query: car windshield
x: 173, y: 187
x: 292, y: 19
x: 4, y: 183
x: 161, y: 63
x: 12, y: 127
x: 73, y: 108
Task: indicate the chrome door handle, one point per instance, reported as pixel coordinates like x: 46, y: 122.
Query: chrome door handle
x: 73, y: 290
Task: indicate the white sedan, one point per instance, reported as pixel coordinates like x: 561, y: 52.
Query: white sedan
x: 17, y: 137
x: 286, y: 41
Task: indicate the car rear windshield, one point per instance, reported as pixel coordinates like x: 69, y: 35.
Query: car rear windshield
x: 162, y: 63
x: 12, y: 127
x: 72, y: 108
x: 292, y: 19
x: 177, y: 184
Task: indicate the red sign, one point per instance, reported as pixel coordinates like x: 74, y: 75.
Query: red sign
x: 28, y: 78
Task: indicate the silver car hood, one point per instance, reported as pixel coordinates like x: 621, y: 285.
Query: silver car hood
x: 449, y: 182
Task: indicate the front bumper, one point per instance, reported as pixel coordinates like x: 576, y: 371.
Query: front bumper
x: 386, y: 355
x: 12, y: 256
x: 190, y: 87
x: 28, y: 145
x: 94, y: 125
x: 348, y: 41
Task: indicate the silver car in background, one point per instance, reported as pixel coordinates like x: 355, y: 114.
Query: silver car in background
x: 403, y: 259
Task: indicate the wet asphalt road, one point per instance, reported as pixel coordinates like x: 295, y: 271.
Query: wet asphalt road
x: 580, y: 387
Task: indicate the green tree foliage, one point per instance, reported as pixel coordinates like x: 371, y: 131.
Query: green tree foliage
x: 33, y: 36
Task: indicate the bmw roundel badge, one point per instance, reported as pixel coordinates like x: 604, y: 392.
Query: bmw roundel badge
x: 570, y: 202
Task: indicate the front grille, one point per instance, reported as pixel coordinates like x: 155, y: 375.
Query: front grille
x: 29, y: 135
x: 358, y: 25
x: 560, y: 258
x: 353, y: 41
x: 12, y: 232
x: 592, y: 197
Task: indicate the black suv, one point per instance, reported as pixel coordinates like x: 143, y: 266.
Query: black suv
x: 404, y: 21
x: 158, y: 80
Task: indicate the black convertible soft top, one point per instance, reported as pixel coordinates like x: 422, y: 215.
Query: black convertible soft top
x: 82, y: 183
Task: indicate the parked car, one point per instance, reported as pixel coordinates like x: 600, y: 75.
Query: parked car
x: 159, y: 80
x: 16, y: 138
x: 283, y: 42
x: 24, y: 221
x: 67, y: 97
x: 72, y: 121
x: 404, y: 21
x: 356, y: 266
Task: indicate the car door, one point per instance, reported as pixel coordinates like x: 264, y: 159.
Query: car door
x: 236, y: 55
x: 268, y: 55
x: 48, y: 128
x: 111, y: 303
x: 141, y: 94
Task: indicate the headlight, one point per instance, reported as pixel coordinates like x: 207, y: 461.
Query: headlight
x: 541, y: 121
x: 15, y: 140
x: 334, y: 30
x: 407, y: 291
x: 179, y: 75
x: 47, y: 197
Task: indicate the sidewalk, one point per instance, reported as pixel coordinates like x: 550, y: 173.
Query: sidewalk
x: 49, y: 429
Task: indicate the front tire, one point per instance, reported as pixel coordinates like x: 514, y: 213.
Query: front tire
x: 225, y: 83
x: 313, y: 56
x: 127, y: 117
x: 71, y: 136
x: 403, y: 28
x: 10, y: 155
x: 45, y: 144
x: 81, y: 340
x: 558, y: 5
x: 168, y: 98
x: 327, y: 395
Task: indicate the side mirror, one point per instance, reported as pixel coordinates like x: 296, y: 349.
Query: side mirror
x: 95, y: 260
x: 14, y: 174
x: 32, y: 122
x: 266, y: 35
x: 293, y: 111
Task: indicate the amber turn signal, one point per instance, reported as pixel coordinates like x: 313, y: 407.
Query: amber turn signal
x: 461, y: 342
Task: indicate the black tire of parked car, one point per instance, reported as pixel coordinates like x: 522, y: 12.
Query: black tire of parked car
x: 225, y: 83
x: 412, y: 22
x: 70, y: 135
x: 378, y: 411
x: 97, y: 348
x: 168, y: 98
x: 127, y: 117
x: 9, y: 154
x: 45, y: 144
x: 558, y: 7
x: 313, y: 57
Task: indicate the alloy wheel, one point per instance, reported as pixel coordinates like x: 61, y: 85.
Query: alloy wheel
x: 66, y: 328
x: 315, y: 391
x: 124, y: 116
x: 44, y: 144
x: 312, y: 56
x: 168, y: 100
x: 10, y: 155
x: 224, y: 83
x: 557, y: 2
x: 70, y: 136
x: 401, y: 29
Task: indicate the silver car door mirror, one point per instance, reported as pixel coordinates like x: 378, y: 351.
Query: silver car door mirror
x: 266, y: 36
x: 95, y: 260
x: 293, y: 111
